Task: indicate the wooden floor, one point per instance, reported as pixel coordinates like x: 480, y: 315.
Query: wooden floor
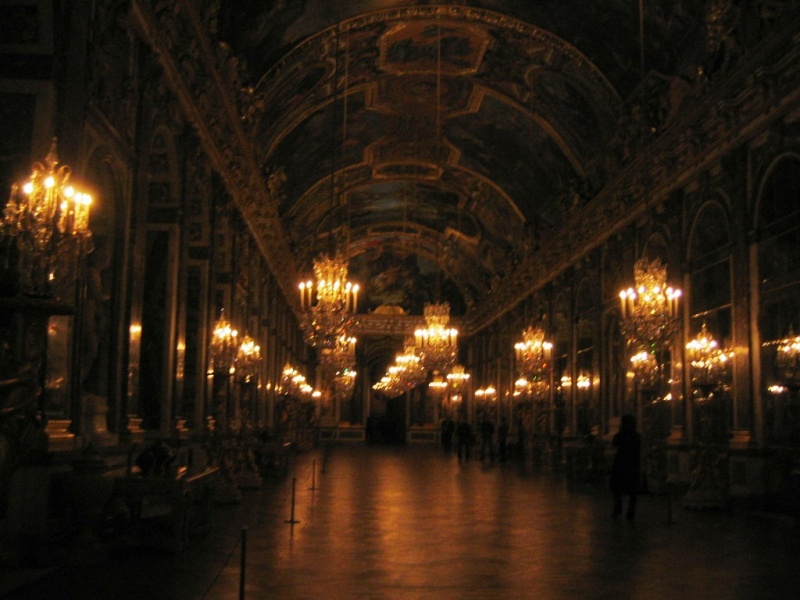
x: 411, y: 522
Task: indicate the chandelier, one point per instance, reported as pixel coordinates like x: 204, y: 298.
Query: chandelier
x: 457, y: 379
x: 533, y: 353
x: 338, y: 365
x: 437, y: 343
x: 391, y: 384
x: 294, y: 384
x: 710, y: 364
x: 248, y: 356
x: 650, y: 310
x: 788, y: 357
x: 645, y: 369
x: 330, y: 304
x: 343, y: 384
x: 341, y: 356
x: 487, y: 395
x: 534, y: 389
x: 224, y: 346
x: 411, y: 364
x: 49, y: 219
x: 437, y: 388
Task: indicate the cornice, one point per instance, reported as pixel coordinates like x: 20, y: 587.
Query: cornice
x: 760, y: 91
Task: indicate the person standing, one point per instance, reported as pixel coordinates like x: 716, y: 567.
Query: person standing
x: 487, y: 438
x: 447, y: 434
x: 502, y: 438
x: 625, y: 477
x: 463, y: 439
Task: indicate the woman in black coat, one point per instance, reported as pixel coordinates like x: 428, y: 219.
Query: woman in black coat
x: 625, y: 479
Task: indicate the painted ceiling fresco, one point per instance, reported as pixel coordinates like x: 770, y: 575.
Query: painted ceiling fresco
x: 437, y: 142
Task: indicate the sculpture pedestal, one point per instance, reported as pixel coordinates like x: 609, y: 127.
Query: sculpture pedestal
x: 59, y: 437
x: 94, y: 421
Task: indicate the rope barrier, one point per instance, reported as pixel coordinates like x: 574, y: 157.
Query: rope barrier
x: 242, y: 541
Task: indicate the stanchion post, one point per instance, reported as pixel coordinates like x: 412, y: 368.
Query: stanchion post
x: 242, y: 575
x: 313, y: 475
x: 669, y: 504
x: 292, y: 520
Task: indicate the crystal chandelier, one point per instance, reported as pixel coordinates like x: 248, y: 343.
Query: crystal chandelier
x: 338, y: 365
x: 710, y: 364
x: 437, y: 388
x: 535, y: 389
x: 457, y: 379
x: 788, y: 357
x: 293, y: 383
x: 533, y: 353
x: 487, y: 395
x: 341, y: 356
x: 330, y: 304
x: 411, y: 364
x: 343, y: 384
x: 650, y: 310
x: 224, y: 346
x: 645, y: 369
x: 437, y: 343
x: 49, y: 219
x: 248, y: 356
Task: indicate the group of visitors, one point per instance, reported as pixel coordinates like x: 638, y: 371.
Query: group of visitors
x: 625, y: 478
x: 484, y: 439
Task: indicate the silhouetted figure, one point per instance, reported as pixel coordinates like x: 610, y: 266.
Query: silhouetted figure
x: 448, y: 427
x: 487, y: 438
x: 502, y: 438
x: 463, y: 439
x: 625, y: 468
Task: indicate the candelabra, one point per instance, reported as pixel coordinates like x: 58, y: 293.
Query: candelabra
x: 437, y: 343
x: 330, y: 304
x: 224, y: 346
x: 223, y: 350
x: 49, y: 219
x: 248, y: 355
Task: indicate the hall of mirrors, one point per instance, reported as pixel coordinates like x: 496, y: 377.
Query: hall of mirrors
x: 267, y: 259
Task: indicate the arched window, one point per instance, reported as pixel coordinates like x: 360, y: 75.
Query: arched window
x: 710, y: 308
x: 778, y: 231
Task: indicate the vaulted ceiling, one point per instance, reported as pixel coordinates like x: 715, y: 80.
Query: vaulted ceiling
x: 437, y: 143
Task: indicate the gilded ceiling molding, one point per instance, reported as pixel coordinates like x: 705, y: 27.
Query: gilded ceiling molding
x: 202, y: 79
x: 282, y: 107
